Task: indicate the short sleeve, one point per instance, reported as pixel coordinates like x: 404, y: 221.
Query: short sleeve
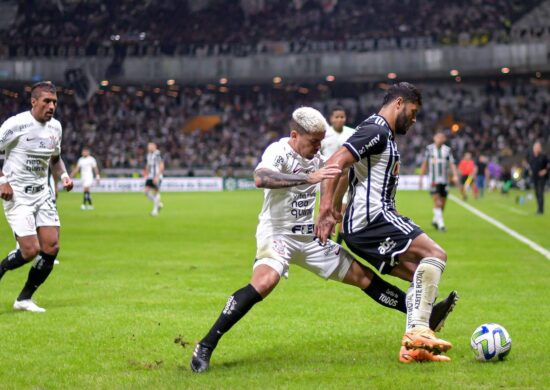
x: 451, y: 157
x: 368, y: 140
x: 94, y: 163
x: 274, y: 158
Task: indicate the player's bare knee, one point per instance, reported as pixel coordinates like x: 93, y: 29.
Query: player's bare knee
x: 438, y: 253
x: 30, y: 251
x: 51, y: 248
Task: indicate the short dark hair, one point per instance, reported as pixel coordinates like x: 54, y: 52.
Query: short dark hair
x: 405, y: 90
x: 296, y: 126
x: 337, y: 108
x: 42, y: 86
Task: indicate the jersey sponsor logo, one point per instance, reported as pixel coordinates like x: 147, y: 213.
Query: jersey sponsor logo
x: 279, y: 161
x: 303, y: 229
x: 386, y: 246
x: 372, y: 142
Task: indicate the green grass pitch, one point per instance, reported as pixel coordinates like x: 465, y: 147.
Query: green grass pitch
x: 132, y: 295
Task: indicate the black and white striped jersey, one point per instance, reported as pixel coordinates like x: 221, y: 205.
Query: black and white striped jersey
x: 154, y: 159
x: 439, y: 161
x: 374, y: 176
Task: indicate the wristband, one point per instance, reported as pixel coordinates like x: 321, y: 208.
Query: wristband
x: 3, y: 180
x: 65, y: 175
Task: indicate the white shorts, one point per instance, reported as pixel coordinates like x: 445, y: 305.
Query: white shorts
x: 87, y: 182
x: 329, y: 261
x: 25, y: 219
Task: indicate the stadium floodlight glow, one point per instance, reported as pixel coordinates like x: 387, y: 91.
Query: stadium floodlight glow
x: 538, y: 75
x: 454, y: 72
x: 223, y: 81
x: 170, y: 82
x: 156, y: 90
x: 104, y: 83
x: 458, y: 79
x: 277, y: 80
x: 392, y: 75
x: 455, y: 127
x: 505, y: 70
x: 330, y: 78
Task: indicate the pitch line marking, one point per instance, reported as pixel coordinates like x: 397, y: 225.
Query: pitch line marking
x: 543, y: 251
x: 514, y: 210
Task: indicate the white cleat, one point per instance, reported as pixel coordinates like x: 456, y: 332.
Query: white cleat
x: 55, y: 262
x: 154, y: 213
x: 90, y: 207
x: 82, y: 207
x: 27, y: 305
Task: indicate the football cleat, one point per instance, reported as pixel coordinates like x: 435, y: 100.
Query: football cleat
x: 28, y: 305
x: 201, y: 358
x: 441, y: 310
x: 420, y: 355
x: 424, y: 338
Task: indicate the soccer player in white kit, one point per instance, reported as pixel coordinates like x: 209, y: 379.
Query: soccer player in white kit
x: 153, y: 177
x: 336, y: 135
x: 289, y: 172
x: 87, y: 165
x: 32, y: 140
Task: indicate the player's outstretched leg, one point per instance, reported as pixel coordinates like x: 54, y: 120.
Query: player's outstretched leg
x: 419, y: 307
x: 236, y: 307
x: 441, y: 311
x: 13, y: 261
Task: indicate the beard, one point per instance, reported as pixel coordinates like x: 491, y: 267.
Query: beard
x: 402, y: 123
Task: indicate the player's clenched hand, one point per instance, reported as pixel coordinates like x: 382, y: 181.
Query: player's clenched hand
x: 327, y: 172
x: 67, y: 183
x: 6, y: 192
x: 325, y: 225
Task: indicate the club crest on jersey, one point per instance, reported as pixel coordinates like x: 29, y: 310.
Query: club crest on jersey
x: 386, y: 246
x: 279, y: 247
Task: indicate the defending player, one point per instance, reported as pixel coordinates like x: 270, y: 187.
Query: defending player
x: 87, y: 165
x: 374, y: 229
x: 289, y: 171
x: 32, y: 140
x: 439, y: 162
x: 336, y: 135
x: 153, y: 177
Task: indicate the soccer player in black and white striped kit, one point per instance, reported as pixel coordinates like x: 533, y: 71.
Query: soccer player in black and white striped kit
x: 439, y: 163
x: 373, y: 228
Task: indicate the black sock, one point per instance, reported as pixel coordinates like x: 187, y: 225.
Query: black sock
x: 87, y: 198
x: 236, y: 307
x: 12, y: 261
x: 37, y: 275
x: 386, y: 294
x: 339, y: 238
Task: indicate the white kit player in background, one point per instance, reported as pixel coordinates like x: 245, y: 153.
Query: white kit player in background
x: 289, y: 172
x: 87, y: 165
x: 32, y: 140
x: 153, y: 177
x: 337, y: 134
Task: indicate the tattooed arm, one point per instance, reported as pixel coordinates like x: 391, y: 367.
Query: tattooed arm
x: 267, y: 178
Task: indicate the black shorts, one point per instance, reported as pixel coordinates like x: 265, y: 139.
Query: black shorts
x: 383, y: 240
x: 440, y: 189
x: 149, y: 183
x: 464, y: 178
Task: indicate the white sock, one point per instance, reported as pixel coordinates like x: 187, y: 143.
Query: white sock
x: 150, y: 196
x: 424, y: 291
x: 438, y: 215
x: 156, y: 199
x: 409, y: 304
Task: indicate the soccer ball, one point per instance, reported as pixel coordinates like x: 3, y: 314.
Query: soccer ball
x: 490, y: 342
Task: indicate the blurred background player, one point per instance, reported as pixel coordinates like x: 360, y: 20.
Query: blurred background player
x: 153, y: 177
x: 87, y: 165
x: 32, y: 141
x: 336, y: 135
x: 467, y: 169
x: 440, y: 164
x: 482, y: 173
x: 539, y: 165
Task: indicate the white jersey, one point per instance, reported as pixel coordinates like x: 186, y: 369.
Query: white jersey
x: 29, y: 145
x: 288, y: 210
x: 334, y: 140
x: 87, y: 166
x: 154, y: 160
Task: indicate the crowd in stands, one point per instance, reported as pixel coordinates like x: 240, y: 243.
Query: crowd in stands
x: 240, y: 28
x: 500, y: 119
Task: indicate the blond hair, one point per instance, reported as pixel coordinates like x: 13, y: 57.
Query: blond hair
x: 308, y: 120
